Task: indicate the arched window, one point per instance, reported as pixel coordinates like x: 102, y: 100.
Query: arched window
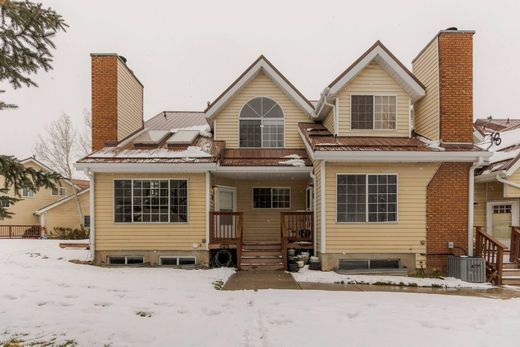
x: 261, y: 123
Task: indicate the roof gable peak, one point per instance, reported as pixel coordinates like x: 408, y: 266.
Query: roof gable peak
x: 261, y: 64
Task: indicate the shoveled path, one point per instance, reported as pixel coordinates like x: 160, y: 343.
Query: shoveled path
x: 253, y: 280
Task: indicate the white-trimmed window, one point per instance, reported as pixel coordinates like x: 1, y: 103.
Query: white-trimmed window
x: 366, y: 198
x: 177, y: 260
x: 28, y: 193
x: 59, y: 191
x: 374, y: 112
x: 261, y: 124
x: 125, y: 260
x: 276, y: 197
x: 151, y: 201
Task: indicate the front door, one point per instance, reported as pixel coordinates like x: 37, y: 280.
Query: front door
x: 226, y: 201
x: 501, y: 215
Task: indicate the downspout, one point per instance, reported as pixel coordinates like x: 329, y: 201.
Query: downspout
x: 208, y: 182
x: 313, y: 176
x: 322, y: 208
x: 471, y: 202
x: 92, y: 239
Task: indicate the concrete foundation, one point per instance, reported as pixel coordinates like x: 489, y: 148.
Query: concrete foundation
x: 152, y: 257
x: 330, y: 261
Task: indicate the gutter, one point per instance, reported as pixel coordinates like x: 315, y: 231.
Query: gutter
x: 471, y: 202
x: 509, y: 183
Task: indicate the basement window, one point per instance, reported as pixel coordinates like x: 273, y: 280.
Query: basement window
x: 125, y: 260
x: 177, y: 260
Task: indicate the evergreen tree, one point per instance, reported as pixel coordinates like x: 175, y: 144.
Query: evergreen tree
x: 27, y: 31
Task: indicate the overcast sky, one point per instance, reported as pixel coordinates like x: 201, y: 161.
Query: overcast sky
x: 186, y: 53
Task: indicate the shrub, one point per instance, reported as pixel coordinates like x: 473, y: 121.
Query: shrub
x: 69, y: 234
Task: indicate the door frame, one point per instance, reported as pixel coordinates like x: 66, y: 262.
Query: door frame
x: 229, y: 189
x: 489, y: 213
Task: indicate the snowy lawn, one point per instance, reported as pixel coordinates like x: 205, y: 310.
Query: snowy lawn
x: 306, y: 275
x: 45, y: 296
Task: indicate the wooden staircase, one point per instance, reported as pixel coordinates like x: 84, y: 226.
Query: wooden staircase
x: 261, y: 255
x: 510, y: 271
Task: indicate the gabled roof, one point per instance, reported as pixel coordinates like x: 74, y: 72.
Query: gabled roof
x: 260, y: 65
x: 59, y: 202
x: 48, y: 169
x: 381, y: 55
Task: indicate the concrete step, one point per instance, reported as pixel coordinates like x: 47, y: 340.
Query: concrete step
x: 260, y: 253
x: 262, y: 267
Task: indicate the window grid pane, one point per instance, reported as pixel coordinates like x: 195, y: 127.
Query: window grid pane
x: 351, y: 198
x: 250, y: 133
x: 281, y: 197
x: 262, y: 198
x: 178, y: 201
x: 382, y: 198
x: 385, y: 112
x: 272, y: 135
x: 123, y: 201
x: 362, y: 112
x: 150, y: 201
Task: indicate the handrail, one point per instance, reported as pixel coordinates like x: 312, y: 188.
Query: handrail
x: 227, y: 231
x: 492, y: 251
x: 514, y: 256
x: 295, y: 227
x: 20, y: 231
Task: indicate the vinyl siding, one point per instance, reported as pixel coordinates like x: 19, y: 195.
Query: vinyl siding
x: 374, y: 80
x: 129, y: 102
x: 149, y: 236
x: 66, y: 214
x: 227, y: 120
x: 427, y: 112
x: 328, y: 122
x: 509, y: 191
x: 403, y: 236
x: 24, y: 209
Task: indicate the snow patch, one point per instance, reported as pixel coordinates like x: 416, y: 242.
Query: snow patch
x: 306, y: 275
x: 204, y: 130
x: 190, y: 152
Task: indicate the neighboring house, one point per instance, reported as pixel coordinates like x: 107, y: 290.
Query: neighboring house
x: 377, y: 173
x: 497, y: 185
x: 48, y: 208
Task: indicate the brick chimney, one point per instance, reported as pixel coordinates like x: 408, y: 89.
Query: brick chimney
x: 117, y: 100
x: 445, y: 67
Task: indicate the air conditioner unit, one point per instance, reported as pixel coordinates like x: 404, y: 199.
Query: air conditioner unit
x: 469, y: 269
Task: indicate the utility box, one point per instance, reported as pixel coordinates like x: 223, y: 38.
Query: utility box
x: 469, y: 269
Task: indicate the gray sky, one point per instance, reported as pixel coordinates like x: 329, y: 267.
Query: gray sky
x: 186, y: 53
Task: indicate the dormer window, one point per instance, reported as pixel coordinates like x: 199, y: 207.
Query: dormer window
x: 373, y: 112
x: 261, y: 124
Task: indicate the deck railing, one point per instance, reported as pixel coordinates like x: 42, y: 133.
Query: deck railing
x: 297, y: 231
x: 20, y: 231
x: 226, y: 230
x: 514, y: 256
x: 493, y: 252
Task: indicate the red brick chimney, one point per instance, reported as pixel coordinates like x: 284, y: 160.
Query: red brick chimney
x: 456, y: 85
x: 117, y: 100
x: 445, y: 67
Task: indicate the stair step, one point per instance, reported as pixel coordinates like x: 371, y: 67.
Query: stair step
x: 261, y: 267
x: 261, y: 253
x: 261, y: 243
x: 262, y: 248
x: 261, y: 261
x: 513, y: 281
x: 510, y: 266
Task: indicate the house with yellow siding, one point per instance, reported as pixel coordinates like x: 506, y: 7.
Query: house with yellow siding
x: 358, y: 178
x: 46, y: 208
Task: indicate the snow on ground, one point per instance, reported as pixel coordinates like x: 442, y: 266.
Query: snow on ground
x: 306, y: 275
x: 44, y: 295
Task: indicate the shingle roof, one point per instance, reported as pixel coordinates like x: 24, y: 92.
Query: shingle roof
x: 321, y: 139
